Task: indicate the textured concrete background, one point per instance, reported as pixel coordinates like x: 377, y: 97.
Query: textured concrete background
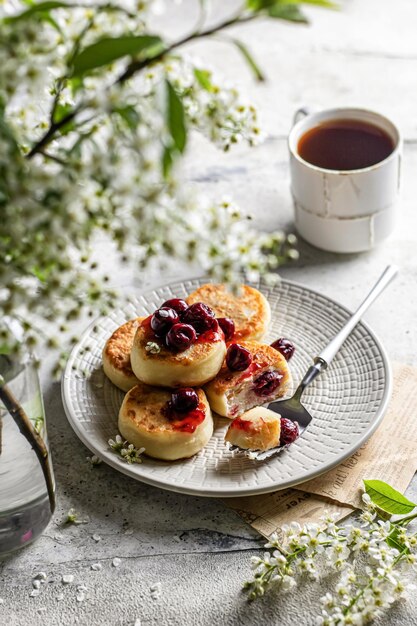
x: 195, y: 550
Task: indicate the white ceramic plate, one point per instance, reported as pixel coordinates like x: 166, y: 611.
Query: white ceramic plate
x: 347, y: 401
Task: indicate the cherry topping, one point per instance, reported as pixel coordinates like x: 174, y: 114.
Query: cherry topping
x: 177, y: 304
x: 284, y: 346
x: 266, y: 383
x: 200, y: 316
x: 238, y: 358
x: 184, y: 400
x: 289, y: 431
x: 163, y: 319
x: 180, y: 337
x: 228, y: 327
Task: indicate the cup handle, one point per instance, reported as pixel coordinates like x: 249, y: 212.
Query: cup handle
x: 300, y: 113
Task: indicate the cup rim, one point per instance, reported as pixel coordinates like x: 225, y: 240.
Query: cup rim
x: 364, y: 170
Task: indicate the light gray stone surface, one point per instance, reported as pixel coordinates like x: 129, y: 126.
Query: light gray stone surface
x: 194, y: 549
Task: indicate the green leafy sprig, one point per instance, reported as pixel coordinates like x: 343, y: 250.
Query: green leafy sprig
x: 364, y: 591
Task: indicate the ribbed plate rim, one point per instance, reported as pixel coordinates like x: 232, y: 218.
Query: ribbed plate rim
x: 110, y: 459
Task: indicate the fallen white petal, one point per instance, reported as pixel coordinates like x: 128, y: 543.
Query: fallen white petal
x: 67, y: 579
x: 96, y: 567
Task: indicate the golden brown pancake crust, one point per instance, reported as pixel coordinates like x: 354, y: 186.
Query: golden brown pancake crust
x: 153, y: 405
x: 119, y: 345
x: 248, y: 309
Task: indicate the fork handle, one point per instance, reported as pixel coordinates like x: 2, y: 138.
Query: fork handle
x: 327, y: 355
x: 334, y: 346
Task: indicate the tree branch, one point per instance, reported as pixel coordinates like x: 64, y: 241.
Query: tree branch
x: 131, y: 69
x: 35, y: 440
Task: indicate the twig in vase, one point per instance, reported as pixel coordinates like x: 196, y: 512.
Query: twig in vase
x: 35, y: 440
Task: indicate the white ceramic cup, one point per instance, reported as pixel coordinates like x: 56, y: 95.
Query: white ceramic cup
x: 344, y: 211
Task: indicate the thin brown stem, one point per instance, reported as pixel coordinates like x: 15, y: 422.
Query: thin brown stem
x: 133, y: 68
x: 51, y: 132
x: 35, y: 440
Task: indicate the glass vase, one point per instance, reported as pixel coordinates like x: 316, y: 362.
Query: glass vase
x: 27, y: 488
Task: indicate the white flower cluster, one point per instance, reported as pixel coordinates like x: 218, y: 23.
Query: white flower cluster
x: 212, y: 107
x: 375, y: 558
x: 127, y: 450
x: 110, y: 168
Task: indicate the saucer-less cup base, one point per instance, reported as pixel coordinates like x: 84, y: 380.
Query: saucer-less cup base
x: 344, y: 235
x: 344, y: 211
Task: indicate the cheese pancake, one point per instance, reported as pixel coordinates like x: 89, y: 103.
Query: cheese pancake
x: 257, y: 429
x: 146, y: 421
x: 192, y: 367
x: 267, y: 378
x: 116, y: 355
x: 249, y: 309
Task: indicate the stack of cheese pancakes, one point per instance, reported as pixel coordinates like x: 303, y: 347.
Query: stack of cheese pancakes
x: 192, y: 357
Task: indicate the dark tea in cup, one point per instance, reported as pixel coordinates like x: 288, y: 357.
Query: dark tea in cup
x: 345, y: 144
x: 345, y: 166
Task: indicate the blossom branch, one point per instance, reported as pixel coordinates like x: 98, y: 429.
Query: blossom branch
x: 133, y: 68
x: 35, y: 440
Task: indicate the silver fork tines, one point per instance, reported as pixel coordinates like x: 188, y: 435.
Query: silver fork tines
x: 257, y: 455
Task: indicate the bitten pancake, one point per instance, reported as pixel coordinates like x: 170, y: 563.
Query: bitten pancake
x: 257, y: 429
x: 249, y: 309
x: 267, y: 378
x: 192, y: 367
x: 145, y: 421
x: 116, y: 355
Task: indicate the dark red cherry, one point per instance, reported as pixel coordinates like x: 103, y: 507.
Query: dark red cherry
x: 177, y: 304
x: 163, y: 319
x: 228, y: 327
x: 289, y: 431
x: 266, y: 383
x: 238, y: 358
x: 284, y: 346
x: 200, y: 316
x: 180, y: 337
x: 184, y: 400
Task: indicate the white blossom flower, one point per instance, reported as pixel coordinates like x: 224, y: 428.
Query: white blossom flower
x: 104, y: 172
x: 372, y: 574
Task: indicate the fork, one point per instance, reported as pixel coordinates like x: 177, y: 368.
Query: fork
x: 292, y: 408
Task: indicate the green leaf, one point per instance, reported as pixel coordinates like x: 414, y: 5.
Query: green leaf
x: 260, y: 5
x: 387, y: 498
x: 75, y: 84
x: 326, y: 4
x: 176, y: 118
x: 204, y: 79
x: 40, y: 10
x: 38, y: 425
x: 289, y: 13
x: 249, y: 59
x: 393, y: 542
x: 61, y: 110
x: 110, y: 49
x: 167, y: 161
x: 128, y: 115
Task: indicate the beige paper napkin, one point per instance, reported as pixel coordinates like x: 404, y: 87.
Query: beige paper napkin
x: 389, y: 455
